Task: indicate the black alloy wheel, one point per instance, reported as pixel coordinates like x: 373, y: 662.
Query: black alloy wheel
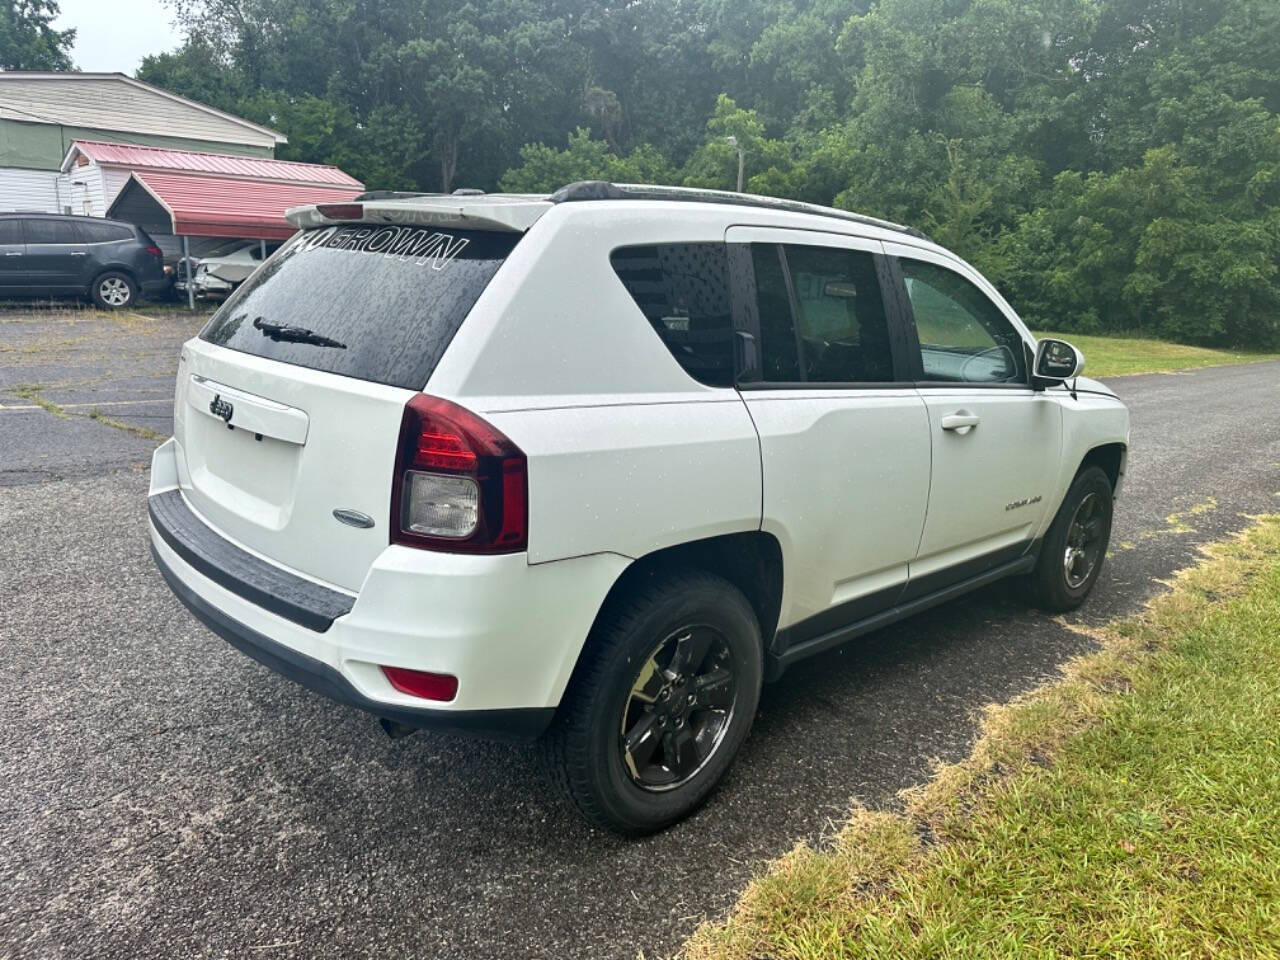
x: 680, y: 706
x: 1086, y: 540
x: 1075, y: 545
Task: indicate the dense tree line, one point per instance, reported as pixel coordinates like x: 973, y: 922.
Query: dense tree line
x: 1111, y: 164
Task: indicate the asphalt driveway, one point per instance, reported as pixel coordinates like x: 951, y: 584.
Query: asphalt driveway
x: 164, y: 796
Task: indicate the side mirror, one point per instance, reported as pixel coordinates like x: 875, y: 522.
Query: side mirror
x: 1057, y: 360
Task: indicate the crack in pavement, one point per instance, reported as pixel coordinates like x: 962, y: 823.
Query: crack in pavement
x: 33, y: 393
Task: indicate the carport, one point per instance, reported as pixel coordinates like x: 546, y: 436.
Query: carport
x: 191, y: 204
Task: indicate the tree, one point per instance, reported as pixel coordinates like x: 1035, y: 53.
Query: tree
x: 715, y: 163
x: 603, y: 107
x: 544, y: 169
x: 28, y: 40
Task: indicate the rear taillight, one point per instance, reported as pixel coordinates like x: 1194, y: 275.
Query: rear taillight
x: 154, y: 251
x: 460, y: 485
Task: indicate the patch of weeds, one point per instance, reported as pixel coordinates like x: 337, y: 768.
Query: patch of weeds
x: 31, y: 392
x: 144, y: 432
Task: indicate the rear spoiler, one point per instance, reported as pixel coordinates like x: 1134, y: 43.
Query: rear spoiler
x: 515, y: 214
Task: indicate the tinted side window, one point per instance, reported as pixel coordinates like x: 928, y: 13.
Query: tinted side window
x: 683, y: 291
x: 830, y: 325
x: 963, y: 335
x: 52, y: 231
x: 104, y: 232
x: 11, y: 231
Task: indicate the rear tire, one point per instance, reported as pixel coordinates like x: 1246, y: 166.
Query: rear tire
x: 659, y: 704
x: 1075, y: 547
x: 114, y: 290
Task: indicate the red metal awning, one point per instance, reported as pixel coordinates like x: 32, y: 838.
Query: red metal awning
x: 133, y: 157
x: 205, y: 206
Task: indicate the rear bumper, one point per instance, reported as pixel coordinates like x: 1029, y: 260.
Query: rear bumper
x: 211, y: 286
x: 315, y: 675
x: 152, y: 288
x: 510, y: 631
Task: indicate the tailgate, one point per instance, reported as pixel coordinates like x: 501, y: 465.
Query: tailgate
x: 268, y: 452
x: 289, y: 403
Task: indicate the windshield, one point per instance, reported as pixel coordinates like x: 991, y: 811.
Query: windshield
x: 393, y: 296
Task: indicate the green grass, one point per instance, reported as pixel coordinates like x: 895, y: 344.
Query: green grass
x: 1130, y: 809
x: 1117, y: 356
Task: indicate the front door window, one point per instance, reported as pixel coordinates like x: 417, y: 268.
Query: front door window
x: 963, y: 335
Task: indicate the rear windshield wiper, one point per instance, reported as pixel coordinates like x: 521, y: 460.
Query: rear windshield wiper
x: 282, y: 331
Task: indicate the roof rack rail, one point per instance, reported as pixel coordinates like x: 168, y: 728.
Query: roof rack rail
x: 604, y: 190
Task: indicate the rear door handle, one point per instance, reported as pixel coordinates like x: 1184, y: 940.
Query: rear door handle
x: 961, y: 421
x: 79, y: 253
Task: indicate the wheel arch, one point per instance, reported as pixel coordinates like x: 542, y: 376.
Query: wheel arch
x: 1111, y: 457
x: 751, y: 561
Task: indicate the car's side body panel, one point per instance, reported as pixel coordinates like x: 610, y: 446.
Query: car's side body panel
x: 634, y: 477
x: 1094, y: 417
x: 993, y: 483
x: 848, y: 518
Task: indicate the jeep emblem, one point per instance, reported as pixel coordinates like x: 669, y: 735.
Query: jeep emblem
x: 221, y: 408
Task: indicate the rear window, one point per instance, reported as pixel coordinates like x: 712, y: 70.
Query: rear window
x: 380, y: 303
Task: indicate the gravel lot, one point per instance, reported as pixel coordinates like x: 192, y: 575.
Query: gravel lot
x: 166, y: 797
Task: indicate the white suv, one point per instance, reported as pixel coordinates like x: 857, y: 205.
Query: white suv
x: 590, y: 467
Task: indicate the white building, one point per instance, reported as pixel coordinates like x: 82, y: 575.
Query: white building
x: 42, y: 114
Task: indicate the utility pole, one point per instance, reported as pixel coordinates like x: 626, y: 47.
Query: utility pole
x: 742, y: 157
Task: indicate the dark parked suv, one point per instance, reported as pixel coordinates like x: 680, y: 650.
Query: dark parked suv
x: 47, y: 254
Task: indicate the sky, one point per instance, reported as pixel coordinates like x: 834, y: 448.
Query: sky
x: 114, y: 35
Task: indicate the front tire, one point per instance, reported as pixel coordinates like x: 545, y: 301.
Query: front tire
x: 114, y: 290
x: 660, y: 703
x: 1075, y: 547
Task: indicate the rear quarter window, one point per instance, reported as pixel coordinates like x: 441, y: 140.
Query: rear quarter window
x: 386, y: 299
x: 683, y: 291
x: 104, y: 232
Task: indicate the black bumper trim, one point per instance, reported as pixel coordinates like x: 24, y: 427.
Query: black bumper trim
x: 262, y: 584
x: 523, y: 723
